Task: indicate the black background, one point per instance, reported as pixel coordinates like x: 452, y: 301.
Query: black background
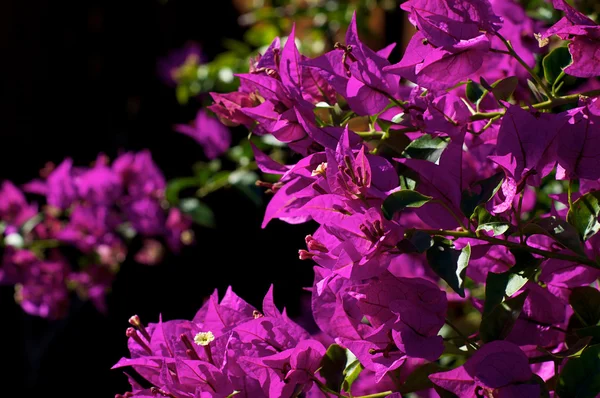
x: 78, y: 78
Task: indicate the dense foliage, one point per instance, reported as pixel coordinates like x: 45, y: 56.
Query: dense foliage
x: 456, y: 193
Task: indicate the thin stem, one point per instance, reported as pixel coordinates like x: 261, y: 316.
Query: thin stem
x: 518, y: 217
x: 555, y: 85
x: 377, y: 395
x: 487, y: 126
x: 570, y: 194
x: 543, y: 358
x: 544, y: 253
x: 370, y: 134
x: 328, y: 390
x: 551, y: 103
x: 493, y: 50
x: 383, y: 135
x: 527, y: 67
x: 394, y: 100
x: 212, y: 186
x: 460, y: 334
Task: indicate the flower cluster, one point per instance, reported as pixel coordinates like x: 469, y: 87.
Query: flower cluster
x: 89, y: 217
x: 228, y: 346
x: 456, y: 249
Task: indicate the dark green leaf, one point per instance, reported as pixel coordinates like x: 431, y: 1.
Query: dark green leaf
x: 504, y: 285
x: 483, y: 191
x: 500, y: 320
x: 591, y: 331
x: 586, y: 303
x: 332, y: 367
x: 426, y: 147
x: 175, y: 186
x: 504, y: 88
x: 499, y: 286
x: 487, y: 222
x: 484, y: 83
x: 407, y: 181
x: 385, y: 125
x: 474, y: 91
x: 400, y: 200
x: 559, y: 230
x: 419, y: 378
x: 393, y: 146
x: 583, y: 215
x: 200, y: 213
x: 416, y: 242
x: 580, y: 377
x: 495, y: 290
x: 525, y: 260
x: 450, y: 264
x: 555, y: 62
x: 544, y: 391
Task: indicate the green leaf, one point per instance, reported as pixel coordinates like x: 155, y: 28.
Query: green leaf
x: 474, y: 91
x: 580, y: 377
x: 539, y: 96
x: 402, y: 199
x: 419, y: 378
x: 426, y: 147
x: 393, y: 146
x: 351, y: 373
x: 416, y: 242
x: 583, y: 215
x: 485, y: 190
x: 450, y: 264
x: 500, y: 321
x: 200, y: 213
x: 559, y: 230
x: 487, y: 222
x: 332, y: 366
x: 585, y: 301
x: 555, y: 62
x: 386, y: 124
x: 398, y: 118
x: 504, y: 88
x: 573, y: 349
x: 340, y: 368
x: 499, y: 286
x: 176, y: 185
x: 544, y: 392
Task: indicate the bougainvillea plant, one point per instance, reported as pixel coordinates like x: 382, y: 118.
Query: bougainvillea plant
x: 228, y: 157
x: 78, y: 229
x: 457, y: 194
